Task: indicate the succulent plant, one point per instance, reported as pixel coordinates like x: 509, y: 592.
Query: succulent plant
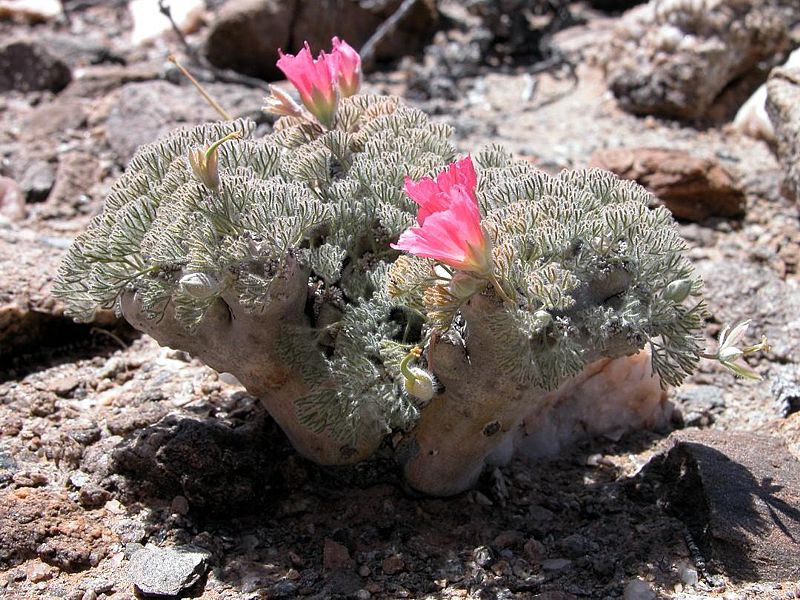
x: 276, y: 259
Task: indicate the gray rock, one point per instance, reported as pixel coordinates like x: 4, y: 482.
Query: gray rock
x: 674, y: 57
x: 26, y: 65
x: 142, y: 112
x: 783, y: 107
x: 167, y: 571
x: 739, y: 495
x: 246, y: 34
x: 8, y: 466
x: 786, y: 389
x: 38, y: 180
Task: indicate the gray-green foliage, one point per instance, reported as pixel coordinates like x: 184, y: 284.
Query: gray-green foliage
x: 583, y: 247
x: 332, y: 199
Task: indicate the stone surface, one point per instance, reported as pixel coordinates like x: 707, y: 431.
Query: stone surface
x: 674, y: 57
x: 12, y: 200
x: 141, y: 112
x: 38, y: 180
x: 691, y: 188
x: 247, y: 33
x: 336, y: 556
x: 783, y: 107
x: 214, y: 467
x: 167, y: 571
x: 26, y: 65
x: 739, y: 495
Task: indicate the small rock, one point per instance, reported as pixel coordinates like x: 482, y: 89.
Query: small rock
x: 37, y: 180
x: 12, y: 200
x: 638, y: 589
x: 393, y: 564
x: 688, y: 574
x: 555, y: 564
x: 284, y: 589
x: 483, y: 556
x: 363, y: 594
x: 89, y: 595
x: 691, y: 188
x: 179, y: 505
x: 63, y: 385
x: 335, y: 556
x: 534, y: 551
x: 37, y: 571
x: 92, y: 495
x: 364, y: 571
x: 8, y: 466
x: 26, y: 66
x: 167, y: 571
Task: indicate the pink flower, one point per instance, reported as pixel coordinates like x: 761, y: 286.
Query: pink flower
x: 314, y: 80
x: 347, y: 67
x: 450, y: 223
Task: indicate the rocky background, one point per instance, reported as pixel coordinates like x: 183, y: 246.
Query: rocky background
x: 126, y: 468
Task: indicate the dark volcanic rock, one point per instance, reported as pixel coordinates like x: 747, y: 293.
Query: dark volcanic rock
x: 26, y: 65
x: 691, y: 188
x: 142, y: 112
x: 247, y: 33
x: 739, y: 495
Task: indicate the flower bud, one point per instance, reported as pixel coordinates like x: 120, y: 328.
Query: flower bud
x: 280, y: 103
x: 421, y: 385
x: 204, y: 161
x: 678, y: 290
x: 199, y: 285
x: 542, y: 318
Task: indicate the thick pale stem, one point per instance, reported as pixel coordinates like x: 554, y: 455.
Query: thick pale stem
x: 248, y: 345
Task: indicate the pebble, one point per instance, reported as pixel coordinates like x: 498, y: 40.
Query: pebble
x: 534, y: 551
x: 335, y: 556
x: 483, y: 556
x: 556, y: 564
x: 167, y: 571
x: 37, y: 571
x: 364, y: 571
x: 179, y: 505
x: 63, y: 386
x: 89, y: 595
x: 636, y: 589
x: 363, y: 594
x: 688, y: 574
x: 393, y: 564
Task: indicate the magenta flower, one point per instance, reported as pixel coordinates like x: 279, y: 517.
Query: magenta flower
x: 450, y: 224
x: 314, y: 80
x: 347, y: 67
